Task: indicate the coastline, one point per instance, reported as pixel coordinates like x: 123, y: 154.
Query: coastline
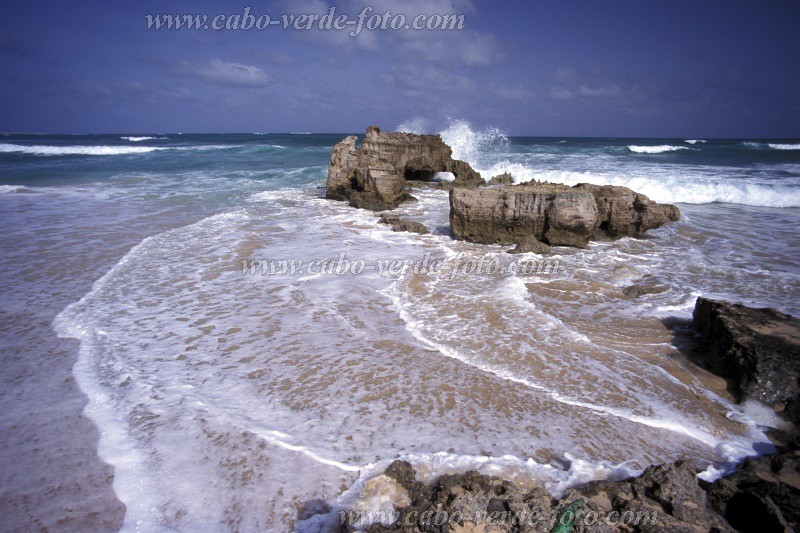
x: 53, y: 477
x: 476, y: 408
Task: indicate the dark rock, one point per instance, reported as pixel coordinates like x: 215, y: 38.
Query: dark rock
x: 553, y: 213
x: 647, y: 285
x: 530, y: 244
x: 374, y: 175
x: 758, y: 348
x: 762, y: 495
x: 502, y: 179
x: 401, y: 224
x: 663, y: 497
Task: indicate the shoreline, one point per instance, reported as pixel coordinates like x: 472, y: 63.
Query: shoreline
x: 68, y: 486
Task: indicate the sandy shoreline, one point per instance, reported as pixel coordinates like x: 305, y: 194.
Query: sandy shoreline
x: 53, y: 478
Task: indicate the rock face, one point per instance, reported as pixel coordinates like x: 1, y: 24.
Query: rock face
x: 554, y: 214
x: 758, y: 348
x: 625, y: 213
x: 374, y: 175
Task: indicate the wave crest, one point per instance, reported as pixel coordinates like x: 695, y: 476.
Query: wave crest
x: 139, y: 139
x: 76, y: 150
x: 784, y: 146
x: 655, y: 149
x: 667, y: 189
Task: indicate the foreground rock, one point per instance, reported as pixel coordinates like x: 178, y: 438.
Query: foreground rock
x: 759, y: 349
x: 762, y: 495
x: 374, y: 175
x: 663, y: 498
x: 401, y: 224
x: 555, y: 214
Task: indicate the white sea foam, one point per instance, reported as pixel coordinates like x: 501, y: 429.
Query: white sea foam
x: 140, y: 139
x: 669, y: 188
x: 469, y: 145
x: 784, y: 146
x: 416, y: 125
x: 373, y: 492
x: 694, y: 141
x: 444, y: 176
x: 76, y: 150
x: 8, y: 189
x: 660, y: 149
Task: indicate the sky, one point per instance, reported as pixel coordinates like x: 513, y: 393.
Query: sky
x: 699, y: 68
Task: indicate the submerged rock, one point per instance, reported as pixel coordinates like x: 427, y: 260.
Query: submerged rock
x: 646, y: 285
x: 555, y: 214
x: 759, y: 349
x: 401, y: 224
x: 530, y: 245
x: 373, y: 176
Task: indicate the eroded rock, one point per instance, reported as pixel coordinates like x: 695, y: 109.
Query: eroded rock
x: 374, y: 175
x: 555, y: 214
x: 759, y: 349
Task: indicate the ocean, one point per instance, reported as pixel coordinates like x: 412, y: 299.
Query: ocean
x: 225, y: 398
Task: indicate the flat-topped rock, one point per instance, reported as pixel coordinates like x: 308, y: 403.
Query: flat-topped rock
x: 374, y: 175
x: 555, y: 214
x: 759, y: 349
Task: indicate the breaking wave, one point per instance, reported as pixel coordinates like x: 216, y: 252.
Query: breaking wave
x: 669, y: 189
x: 655, y: 149
x: 784, y: 146
x: 76, y: 150
x: 139, y: 139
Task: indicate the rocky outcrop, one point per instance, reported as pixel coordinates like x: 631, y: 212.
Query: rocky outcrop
x: 502, y: 179
x: 555, y: 214
x: 626, y: 213
x: 663, y: 498
x: 373, y: 176
x: 401, y: 224
x: 759, y: 349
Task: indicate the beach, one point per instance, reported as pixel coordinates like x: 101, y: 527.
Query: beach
x: 151, y: 381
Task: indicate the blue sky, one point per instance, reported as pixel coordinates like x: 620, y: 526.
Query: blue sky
x: 580, y: 68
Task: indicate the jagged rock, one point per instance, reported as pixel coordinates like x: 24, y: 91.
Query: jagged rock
x: 502, y: 179
x: 401, y: 224
x: 762, y: 495
x: 758, y: 348
x: 530, y: 244
x: 553, y: 213
x: 664, y: 497
x: 374, y: 175
x: 626, y: 213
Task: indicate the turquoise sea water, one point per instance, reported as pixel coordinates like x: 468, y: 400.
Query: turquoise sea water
x: 227, y: 400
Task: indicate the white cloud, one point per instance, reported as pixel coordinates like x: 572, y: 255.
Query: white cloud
x: 226, y: 73
x: 560, y: 93
x: 603, y: 90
